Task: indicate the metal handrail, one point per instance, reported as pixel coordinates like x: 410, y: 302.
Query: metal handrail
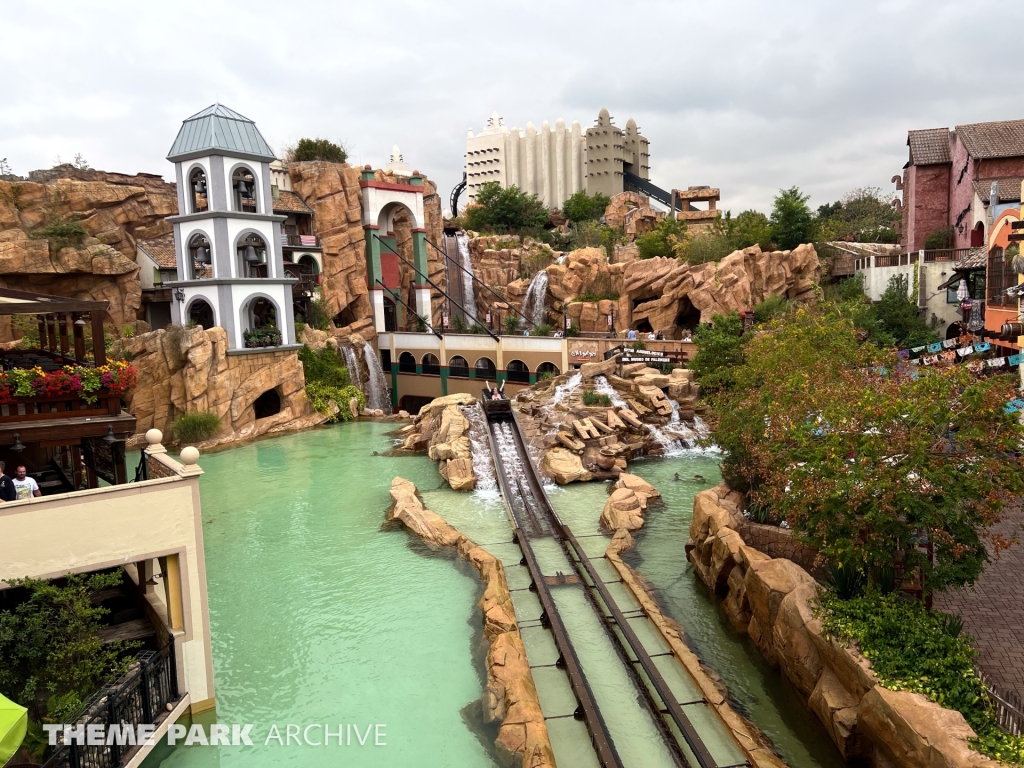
x: 431, y: 282
x: 481, y: 282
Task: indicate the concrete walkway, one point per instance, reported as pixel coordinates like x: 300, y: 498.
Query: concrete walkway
x: 993, y: 611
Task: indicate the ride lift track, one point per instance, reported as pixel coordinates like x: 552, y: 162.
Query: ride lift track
x: 534, y: 517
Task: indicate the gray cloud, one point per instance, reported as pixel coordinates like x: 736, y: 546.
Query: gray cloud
x: 747, y: 96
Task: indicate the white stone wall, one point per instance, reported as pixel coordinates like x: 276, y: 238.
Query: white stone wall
x: 548, y: 163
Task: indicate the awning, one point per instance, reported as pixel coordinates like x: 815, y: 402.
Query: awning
x: 13, y: 724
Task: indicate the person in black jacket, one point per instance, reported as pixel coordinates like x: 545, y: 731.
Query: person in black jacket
x: 7, y: 490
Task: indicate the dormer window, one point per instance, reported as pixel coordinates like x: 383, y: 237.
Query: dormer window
x: 200, y: 257
x: 252, y: 256
x: 197, y: 191
x: 243, y: 185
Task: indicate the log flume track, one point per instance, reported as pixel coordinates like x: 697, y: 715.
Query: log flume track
x: 546, y: 543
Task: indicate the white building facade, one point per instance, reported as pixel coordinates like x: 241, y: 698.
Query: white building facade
x: 227, y: 238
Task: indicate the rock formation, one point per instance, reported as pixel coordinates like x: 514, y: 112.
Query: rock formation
x: 332, y: 191
x: 113, y: 210
x: 773, y: 600
x: 668, y: 294
x: 442, y: 430
x: 187, y: 370
x: 510, y: 699
x: 627, y: 503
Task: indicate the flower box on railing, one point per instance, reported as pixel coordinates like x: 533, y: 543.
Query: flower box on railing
x: 262, y: 337
x: 72, y: 382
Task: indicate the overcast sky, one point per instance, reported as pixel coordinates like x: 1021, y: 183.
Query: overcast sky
x: 745, y: 96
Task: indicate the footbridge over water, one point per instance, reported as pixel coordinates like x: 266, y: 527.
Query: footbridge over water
x: 612, y: 692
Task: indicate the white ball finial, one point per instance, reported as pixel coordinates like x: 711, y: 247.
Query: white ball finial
x: 154, y: 436
x: 189, y: 455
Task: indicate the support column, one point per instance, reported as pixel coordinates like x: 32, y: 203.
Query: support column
x: 530, y: 179
x: 419, y: 258
x: 172, y: 590
x: 373, y: 274
x: 559, y: 163
x: 545, y: 163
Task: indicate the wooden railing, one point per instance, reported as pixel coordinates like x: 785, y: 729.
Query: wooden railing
x: 61, y: 406
x: 1008, y: 706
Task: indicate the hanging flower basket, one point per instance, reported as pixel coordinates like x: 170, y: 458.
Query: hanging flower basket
x: 114, y: 378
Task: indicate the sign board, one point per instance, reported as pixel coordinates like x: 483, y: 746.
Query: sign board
x: 105, y: 459
x: 628, y: 359
x: 582, y: 351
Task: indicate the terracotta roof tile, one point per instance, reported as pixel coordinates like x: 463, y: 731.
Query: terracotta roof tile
x: 161, y: 250
x: 289, y: 202
x: 1009, y: 188
x: 977, y: 258
x: 929, y: 146
x: 1000, y: 139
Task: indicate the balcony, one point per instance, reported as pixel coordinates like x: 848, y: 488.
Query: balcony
x: 300, y: 241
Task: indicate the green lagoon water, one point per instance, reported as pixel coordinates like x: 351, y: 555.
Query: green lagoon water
x: 320, y: 616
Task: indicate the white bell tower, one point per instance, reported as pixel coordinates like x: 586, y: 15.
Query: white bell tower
x: 226, y: 236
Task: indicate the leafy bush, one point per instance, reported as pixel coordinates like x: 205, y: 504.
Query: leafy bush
x: 61, y: 231
x: 320, y: 396
x: 319, y: 149
x: 511, y: 323
x: 913, y: 649
x: 477, y: 329
x: 792, y: 222
x: 325, y: 367
x: 195, y: 427
x: 572, y: 331
x: 53, y: 658
x: 663, y: 240
x: 863, y: 215
x: 941, y: 237
x: 506, y: 210
x: 590, y: 397
x: 544, y: 329
x: 719, y: 351
x: 319, y: 316
x: 583, y: 207
x: 769, y: 308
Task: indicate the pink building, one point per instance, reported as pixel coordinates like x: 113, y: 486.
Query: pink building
x: 949, y: 174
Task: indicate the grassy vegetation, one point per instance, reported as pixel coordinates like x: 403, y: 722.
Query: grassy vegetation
x: 593, y: 398
x: 195, y: 427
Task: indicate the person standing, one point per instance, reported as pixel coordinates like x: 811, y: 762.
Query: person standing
x: 26, y: 486
x: 7, y: 490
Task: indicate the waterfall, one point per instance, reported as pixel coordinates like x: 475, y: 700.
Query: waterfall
x: 563, y: 391
x: 536, y: 296
x: 603, y: 387
x: 352, y: 363
x: 379, y: 395
x: 483, y: 468
x: 467, y: 277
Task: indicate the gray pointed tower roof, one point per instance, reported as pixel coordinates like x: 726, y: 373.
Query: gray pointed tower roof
x: 218, y: 129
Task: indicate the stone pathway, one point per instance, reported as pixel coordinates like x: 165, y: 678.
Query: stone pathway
x: 993, y: 611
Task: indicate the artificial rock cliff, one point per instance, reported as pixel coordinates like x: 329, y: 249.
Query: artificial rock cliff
x: 188, y: 370
x: 114, y: 210
x: 667, y: 293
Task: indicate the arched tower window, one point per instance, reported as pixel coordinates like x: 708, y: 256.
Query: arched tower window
x: 243, y: 190
x: 201, y: 313
x: 252, y: 256
x: 198, y: 191
x: 200, y: 266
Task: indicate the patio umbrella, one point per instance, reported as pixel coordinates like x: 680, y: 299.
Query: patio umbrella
x: 13, y: 723
x: 962, y: 292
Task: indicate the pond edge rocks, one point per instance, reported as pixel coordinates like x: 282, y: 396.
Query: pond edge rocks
x: 511, y: 695
x: 623, y: 513
x: 773, y: 601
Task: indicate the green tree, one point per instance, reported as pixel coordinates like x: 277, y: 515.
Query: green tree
x: 505, y: 210
x: 867, y: 459
x: 863, y: 215
x: 719, y: 351
x: 750, y: 228
x: 663, y: 240
x: 895, y: 318
x: 583, y: 207
x: 942, y: 237
x: 53, y: 660
x: 319, y: 149
x: 792, y: 222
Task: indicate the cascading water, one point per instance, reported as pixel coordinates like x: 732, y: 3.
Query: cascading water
x: 352, y: 363
x: 603, y: 387
x: 563, y: 391
x: 536, y: 298
x: 483, y: 468
x: 379, y: 395
x: 468, y: 294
